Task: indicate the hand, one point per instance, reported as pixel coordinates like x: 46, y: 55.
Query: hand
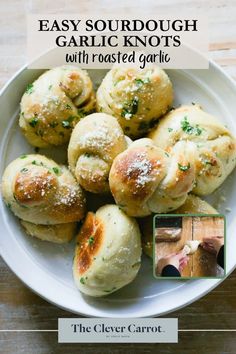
x: 178, y: 260
x: 212, y: 244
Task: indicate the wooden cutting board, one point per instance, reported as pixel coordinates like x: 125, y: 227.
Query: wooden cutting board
x: 204, y: 263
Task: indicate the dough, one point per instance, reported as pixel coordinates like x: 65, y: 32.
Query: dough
x: 96, y: 140
x: 214, y: 145
x: 136, y: 97
x: 144, y: 179
x: 54, y: 103
x: 186, y: 249
x: 192, y: 246
x: 108, y: 251
x: 44, y: 196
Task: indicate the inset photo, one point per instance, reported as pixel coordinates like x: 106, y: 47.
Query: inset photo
x: 189, y: 246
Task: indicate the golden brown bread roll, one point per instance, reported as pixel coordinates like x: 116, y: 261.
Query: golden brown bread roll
x: 214, y: 144
x: 54, y: 103
x: 136, y: 97
x: 108, y: 251
x: 60, y: 233
x: 43, y: 194
x: 96, y: 140
x: 144, y: 180
x: 192, y: 205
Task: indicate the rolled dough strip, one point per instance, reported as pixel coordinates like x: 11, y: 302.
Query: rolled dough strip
x: 191, y: 246
x: 186, y: 249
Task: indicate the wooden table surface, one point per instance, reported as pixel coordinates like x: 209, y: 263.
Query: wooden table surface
x: 20, y: 308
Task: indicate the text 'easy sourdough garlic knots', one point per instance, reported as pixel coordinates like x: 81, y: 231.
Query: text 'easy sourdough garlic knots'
x: 45, y: 196
x: 215, y: 146
x: 137, y: 98
x: 96, y: 140
x: 54, y: 103
x: 144, y: 179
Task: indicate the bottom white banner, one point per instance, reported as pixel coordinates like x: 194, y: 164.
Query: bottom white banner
x: 118, y: 330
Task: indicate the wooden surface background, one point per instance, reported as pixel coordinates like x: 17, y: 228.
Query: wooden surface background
x: 22, y: 309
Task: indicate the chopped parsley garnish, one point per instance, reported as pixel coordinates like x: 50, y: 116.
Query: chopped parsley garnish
x: 29, y: 89
x: 53, y: 124
x: 190, y: 129
x: 82, y: 280
x: 91, y: 240
x: 120, y: 79
x: 184, y: 167
x: 87, y: 154
x: 212, y: 163
x: 130, y: 108
x: 67, y: 106
x: 56, y: 170
x: 141, y: 82
x: 9, y: 205
x: 24, y: 169
x: 34, y: 162
x: 71, y: 118
x: 23, y: 156
x: 208, y: 162
x: 33, y: 122
x: 170, y: 130
x: 66, y: 123
x: 49, y: 87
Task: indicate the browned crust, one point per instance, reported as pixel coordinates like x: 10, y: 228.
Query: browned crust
x: 136, y: 171
x: 89, y: 241
x: 32, y: 186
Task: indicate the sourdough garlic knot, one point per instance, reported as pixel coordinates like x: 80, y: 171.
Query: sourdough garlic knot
x: 108, y: 252
x: 188, y: 151
x: 95, y: 142
x: 54, y: 103
x: 136, y: 97
x: 44, y: 196
x: 215, y: 146
x: 144, y: 179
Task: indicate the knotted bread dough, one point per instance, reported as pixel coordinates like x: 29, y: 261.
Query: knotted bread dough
x: 54, y: 103
x: 108, y: 252
x: 144, y: 179
x: 45, y: 196
x: 96, y: 140
x: 215, y: 146
x: 136, y: 97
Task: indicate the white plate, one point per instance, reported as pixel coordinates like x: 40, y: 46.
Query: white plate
x: 46, y: 268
